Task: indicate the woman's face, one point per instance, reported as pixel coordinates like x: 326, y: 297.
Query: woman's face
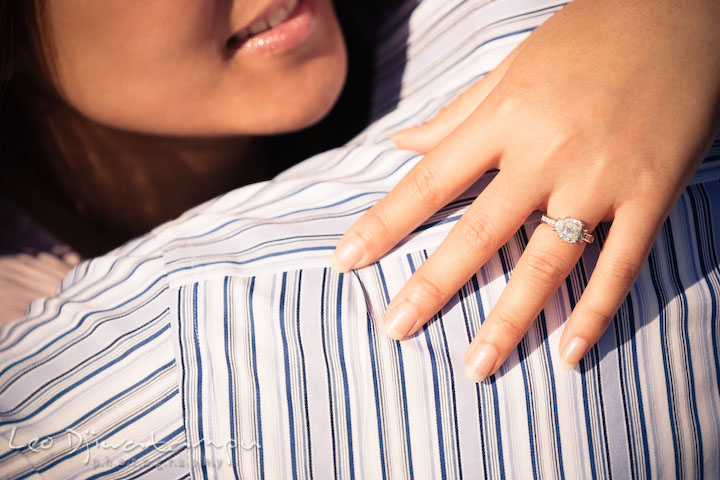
x: 197, y: 67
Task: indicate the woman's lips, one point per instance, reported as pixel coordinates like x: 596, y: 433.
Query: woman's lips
x: 284, y: 27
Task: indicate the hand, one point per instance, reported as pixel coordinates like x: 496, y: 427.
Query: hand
x: 602, y: 114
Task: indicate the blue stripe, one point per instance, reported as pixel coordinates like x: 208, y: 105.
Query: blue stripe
x: 669, y: 384
x: 715, y: 321
x: 231, y: 379
x: 199, y: 369
x: 588, y: 425
x: 255, y: 259
x: 401, y: 368
x: 436, y: 389
x: 528, y: 410
x: 330, y: 382
x: 625, y: 328
x: 70, y: 300
x: 527, y: 388
x: 495, y: 399
x: 557, y: 441
x: 288, y: 392
x: 90, y: 413
x: 620, y: 339
x: 75, y: 284
x: 640, y: 414
x: 347, y: 180
x: 355, y: 210
x: 89, y: 376
x: 601, y: 407
x: 470, y: 334
x: 700, y: 205
x: 181, y: 358
x: 276, y: 242
x: 308, y: 465
x: 84, y: 317
x: 160, y: 464
x: 341, y: 354
x: 438, y: 412
x: 378, y: 405
x: 498, y: 429
x: 435, y: 70
x: 408, y: 444
x: 100, y: 440
x: 256, y: 378
x: 710, y: 195
x: 690, y: 376
x: 452, y: 399
x: 433, y: 32
x: 441, y: 217
x: 601, y: 399
x: 478, y: 47
x: 134, y: 458
x: 372, y: 338
x: 584, y: 369
x: 79, y: 365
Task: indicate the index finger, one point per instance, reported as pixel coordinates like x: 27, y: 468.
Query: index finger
x: 484, y: 227
x: 447, y: 171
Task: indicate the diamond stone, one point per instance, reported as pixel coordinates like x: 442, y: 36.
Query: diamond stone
x: 569, y: 229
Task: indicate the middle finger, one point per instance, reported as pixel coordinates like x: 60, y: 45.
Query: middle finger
x: 487, y: 224
x: 545, y: 263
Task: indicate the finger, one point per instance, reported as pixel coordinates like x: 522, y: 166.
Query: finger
x: 627, y: 246
x: 437, y: 179
x: 425, y: 137
x: 484, y: 228
x: 545, y: 263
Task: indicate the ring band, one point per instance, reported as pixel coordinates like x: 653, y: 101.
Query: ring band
x: 569, y: 229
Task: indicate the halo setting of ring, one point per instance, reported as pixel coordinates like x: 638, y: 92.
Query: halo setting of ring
x: 569, y: 229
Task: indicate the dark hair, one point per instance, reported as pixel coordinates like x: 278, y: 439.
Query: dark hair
x: 6, y: 44
x: 52, y: 157
x: 29, y: 111
x: 23, y: 73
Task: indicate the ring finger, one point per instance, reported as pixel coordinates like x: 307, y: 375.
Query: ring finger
x: 545, y: 263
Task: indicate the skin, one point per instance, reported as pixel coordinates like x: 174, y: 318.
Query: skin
x: 156, y: 114
x: 603, y: 114
x: 162, y: 67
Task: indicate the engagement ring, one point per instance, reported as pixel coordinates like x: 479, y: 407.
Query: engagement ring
x: 569, y: 229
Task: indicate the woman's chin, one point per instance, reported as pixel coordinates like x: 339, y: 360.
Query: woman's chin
x: 301, y: 118
x: 293, y: 106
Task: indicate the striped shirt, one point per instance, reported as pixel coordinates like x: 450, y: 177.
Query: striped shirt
x: 222, y: 344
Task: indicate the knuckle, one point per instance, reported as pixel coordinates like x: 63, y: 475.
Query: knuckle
x: 651, y: 182
x: 477, y: 232
x: 506, y: 324
x: 546, y: 268
x: 377, y: 228
x: 507, y: 107
x: 426, y: 288
x: 425, y: 184
x: 518, y: 97
x: 595, y: 320
x: 621, y: 271
x: 561, y: 135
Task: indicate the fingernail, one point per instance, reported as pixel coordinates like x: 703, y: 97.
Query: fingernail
x: 481, y: 362
x: 399, y: 320
x: 574, y: 352
x: 346, y: 255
